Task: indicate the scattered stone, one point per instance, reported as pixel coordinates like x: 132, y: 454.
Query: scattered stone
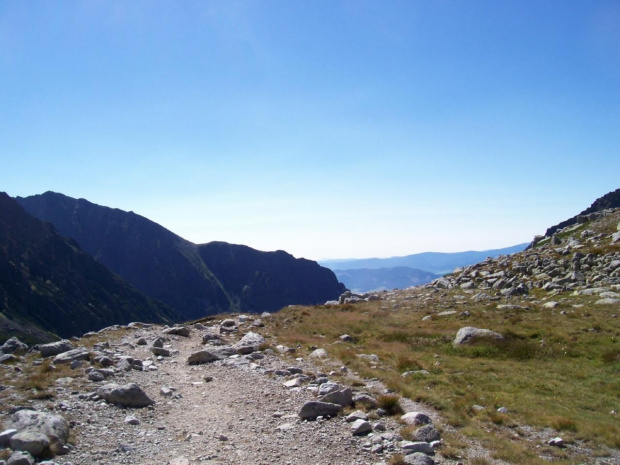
x: 556, y: 442
x: 468, y: 335
x: 81, y: 353
x: 410, y: 447
x: 319, y: 353
x: 30, y: 441
x: 328, y: 387
x: 346, y: 338
x: 5, y: 437
x: 291, y: 383
x: 55, y: 348
x: 128, y: 395
x: 343, y: 397
x: 366, y: 400
x: 20, y: 458
x: 311, y: 410
x: 160, y: 352
x: 178, y: 331
x: 13, y: 346
x: 8, y: 358
x: 131, y: 420
x: 202, y: 356
x: 416, y: 418
x: 55, y: 427
x: 249, y: 343
x: 427, y: 433
x: 357, y: 415
x: 360, y: 427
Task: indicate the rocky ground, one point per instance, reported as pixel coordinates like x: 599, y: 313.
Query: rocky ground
x: 218, y: 394
x: 236, y: 409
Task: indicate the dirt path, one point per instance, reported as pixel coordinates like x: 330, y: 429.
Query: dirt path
x: 243, y: 415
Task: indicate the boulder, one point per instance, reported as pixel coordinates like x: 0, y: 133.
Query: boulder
x: 442, y: 283
x: 319, y: 353
x: 468, y: 335
x: 81, y: 353
x: 326, y: 388
x: 160, y: 352
x: 5, y: 437
x: 357, y: 415
x: 249, y: 343
x: 202, y: 356
x: 13, y: 346
x: 427, y: 433
x: 8, y: 358
x: 127, y: 395
x: 360, y: 427
x: 311, y: 410
x: 55, y: 427
x: 410, y: 447
x: 178, y: 330
x: 30, y: 441
x: 366, y: 400
x: 343, y: 397
x: 55, y: 348
x: 416, y: 418
x: 20, y: 458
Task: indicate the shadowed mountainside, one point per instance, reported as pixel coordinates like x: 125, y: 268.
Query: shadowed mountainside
x: 48, y: 284
x: 269, y: 279
x: 195, y: 280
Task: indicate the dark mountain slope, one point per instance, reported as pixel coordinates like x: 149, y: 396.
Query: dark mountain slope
x: 399, y: 277
x: 267, y: 281
x: 609, y: 200
x: 47, y: 283
x: 194, y: 280
x: 156, y: 261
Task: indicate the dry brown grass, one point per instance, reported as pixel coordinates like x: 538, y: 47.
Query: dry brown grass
x: 546, y: 360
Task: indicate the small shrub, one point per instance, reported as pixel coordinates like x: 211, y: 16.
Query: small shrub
x: 264, y: 346
x: 390, y: 403
x: 611, y: 356
x: 404, y: 363
x: 480, y: 461
x: 564, y: 424
x: 397, y: 459
x: 407, y: 432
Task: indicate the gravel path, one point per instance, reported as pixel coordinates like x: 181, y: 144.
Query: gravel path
x: 243, y: 415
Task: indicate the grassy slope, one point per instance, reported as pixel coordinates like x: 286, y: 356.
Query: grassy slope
x: 558, y: 374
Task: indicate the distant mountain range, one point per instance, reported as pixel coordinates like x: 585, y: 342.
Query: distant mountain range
x: 433, y: 262
x: 398, y: 277
x: 49, y: 286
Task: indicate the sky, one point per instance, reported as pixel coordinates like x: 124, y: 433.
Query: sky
x: 329, y: 129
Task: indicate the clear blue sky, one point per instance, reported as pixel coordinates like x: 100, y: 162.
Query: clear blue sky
x: 329, y: 129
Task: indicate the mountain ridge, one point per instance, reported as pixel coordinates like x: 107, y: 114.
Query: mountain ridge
x: 50, y: 287
x: 167, y: 267
x: 609, y: 200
